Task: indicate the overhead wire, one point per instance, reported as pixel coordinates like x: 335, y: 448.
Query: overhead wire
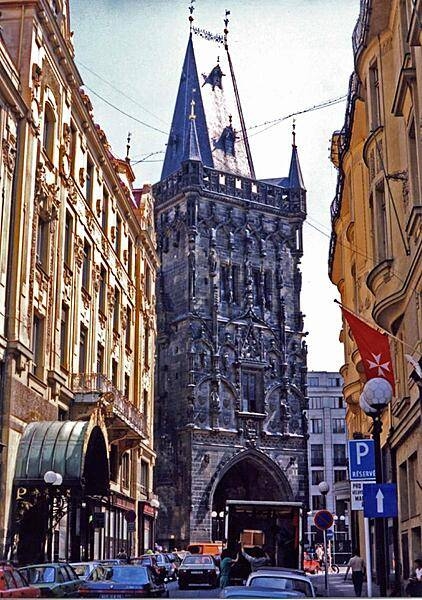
x: 119, y: 91
x: 356, y: 250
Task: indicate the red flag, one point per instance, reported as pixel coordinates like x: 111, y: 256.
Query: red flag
x: 374, y: 348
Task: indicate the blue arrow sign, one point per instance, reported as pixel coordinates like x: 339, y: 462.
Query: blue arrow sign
x: 330, y: 534
x: 379, y: 500
x: 361, y: 460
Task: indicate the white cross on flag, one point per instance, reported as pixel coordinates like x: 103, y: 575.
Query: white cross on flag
x: 373, y: 347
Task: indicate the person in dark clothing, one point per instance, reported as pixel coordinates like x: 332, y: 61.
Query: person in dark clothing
x: 225, y: 567
x: 357, y: 565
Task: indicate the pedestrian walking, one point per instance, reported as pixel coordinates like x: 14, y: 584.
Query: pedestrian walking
x: 414, y: 587
x: 225, y: 567
x: 319, y: 551
x: 357, y: 565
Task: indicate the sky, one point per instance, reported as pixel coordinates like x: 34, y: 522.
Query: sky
x: 288, y: 55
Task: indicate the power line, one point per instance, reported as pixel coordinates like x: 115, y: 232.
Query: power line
x: 120, y: 91
x: 359, y: 252
x: 123, y: 112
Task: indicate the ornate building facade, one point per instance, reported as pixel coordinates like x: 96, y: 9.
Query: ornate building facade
x: 78, y: 326
x: 231, y: 363
x: 376, y: 246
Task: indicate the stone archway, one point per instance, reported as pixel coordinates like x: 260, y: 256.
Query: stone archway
x: 251, y: 475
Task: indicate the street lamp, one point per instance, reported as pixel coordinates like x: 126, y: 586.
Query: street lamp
x: 324, y: 488
x: 51, y: 478
x: 376, y: 395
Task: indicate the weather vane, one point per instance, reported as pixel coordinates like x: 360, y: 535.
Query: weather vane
x: 191, y: 9
x: 294, y: 132
x: 129, y: 135
x: 226, y: 24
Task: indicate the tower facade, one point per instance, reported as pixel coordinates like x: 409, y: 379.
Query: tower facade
x: 231, y: 370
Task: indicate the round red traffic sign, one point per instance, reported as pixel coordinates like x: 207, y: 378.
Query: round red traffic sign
x: 323, y: 519
x: 130, y: 516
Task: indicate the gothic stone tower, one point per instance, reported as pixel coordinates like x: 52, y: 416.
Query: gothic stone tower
x: 231, y: 373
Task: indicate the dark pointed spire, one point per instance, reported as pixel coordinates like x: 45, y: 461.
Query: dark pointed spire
x: 295, y: 172
x: 181, y: 124
x: 192, y: 150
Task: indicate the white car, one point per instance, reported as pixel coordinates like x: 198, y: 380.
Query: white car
x: 278, y: 578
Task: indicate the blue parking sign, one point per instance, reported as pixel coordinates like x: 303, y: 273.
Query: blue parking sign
x: 380, y: 500
x: 361, y: 460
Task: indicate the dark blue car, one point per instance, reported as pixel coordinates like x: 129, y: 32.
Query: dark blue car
x: 129, y: 581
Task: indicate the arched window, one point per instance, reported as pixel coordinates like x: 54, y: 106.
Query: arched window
x: 48, y: 132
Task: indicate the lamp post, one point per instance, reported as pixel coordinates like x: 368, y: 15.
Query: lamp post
x: 376, y: 395
x: 214, y: 515
x: 51, y: 478
x: 324, y: 488
x: 155, y: 503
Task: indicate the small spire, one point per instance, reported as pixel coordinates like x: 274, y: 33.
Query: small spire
x: 129, y: 135
x: 192, y: 150
x: 191, y: 9
x: 295, y: 172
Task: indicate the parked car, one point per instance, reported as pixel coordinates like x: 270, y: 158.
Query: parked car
x: 165, y: 563
x: 198, y: 568
x: 14, y: 585
x: 122, y: 581
x: 150, y: 560
x: 57, y: 580
x: 174, y: 564
x: 278, y: 578
x: 83, y: 569
x: 243, y: 591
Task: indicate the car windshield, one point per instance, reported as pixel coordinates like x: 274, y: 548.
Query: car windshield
x: 282, y: 583
x: 131, y: 574
x: 197, y: 560
x: 39, y: 574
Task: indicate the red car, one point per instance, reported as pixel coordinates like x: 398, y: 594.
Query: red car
x: 13, y: 585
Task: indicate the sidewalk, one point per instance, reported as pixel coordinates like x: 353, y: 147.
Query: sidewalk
x: 338, y: 588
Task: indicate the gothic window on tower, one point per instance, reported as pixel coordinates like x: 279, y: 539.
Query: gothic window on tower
x: 252, y: 391
x: 224, y: 283
x: 268, y: 287
x: 256, y: 276
x: 236, y: 283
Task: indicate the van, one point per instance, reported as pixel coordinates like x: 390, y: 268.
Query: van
x: 205, y: 548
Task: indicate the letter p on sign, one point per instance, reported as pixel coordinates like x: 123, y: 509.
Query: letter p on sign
x: 362, y: 450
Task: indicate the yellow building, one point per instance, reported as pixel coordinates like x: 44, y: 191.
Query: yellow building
x: 77, y: 331
x: 376, y: 246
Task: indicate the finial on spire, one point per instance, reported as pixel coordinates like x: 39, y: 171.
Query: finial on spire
x: 230, y: 120
x: 294, y: 132
x: 192, y: 115
x: 191, y: 9
x: 129, y: 135
x: 226, y: 31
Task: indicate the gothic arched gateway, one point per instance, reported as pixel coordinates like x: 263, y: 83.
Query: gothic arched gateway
x: 248, y: 490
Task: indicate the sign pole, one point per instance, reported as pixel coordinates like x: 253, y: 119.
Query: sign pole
x: 325, y: 562
x: 368, y: 557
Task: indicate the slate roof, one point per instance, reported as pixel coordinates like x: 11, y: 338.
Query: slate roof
x: 215, y: 136
x: 206, y: 78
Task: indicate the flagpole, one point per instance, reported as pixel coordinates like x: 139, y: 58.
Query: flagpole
x: 375, y: 326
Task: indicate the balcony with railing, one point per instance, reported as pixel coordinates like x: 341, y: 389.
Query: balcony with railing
x: 361, y: 27
x: 123, y: 419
